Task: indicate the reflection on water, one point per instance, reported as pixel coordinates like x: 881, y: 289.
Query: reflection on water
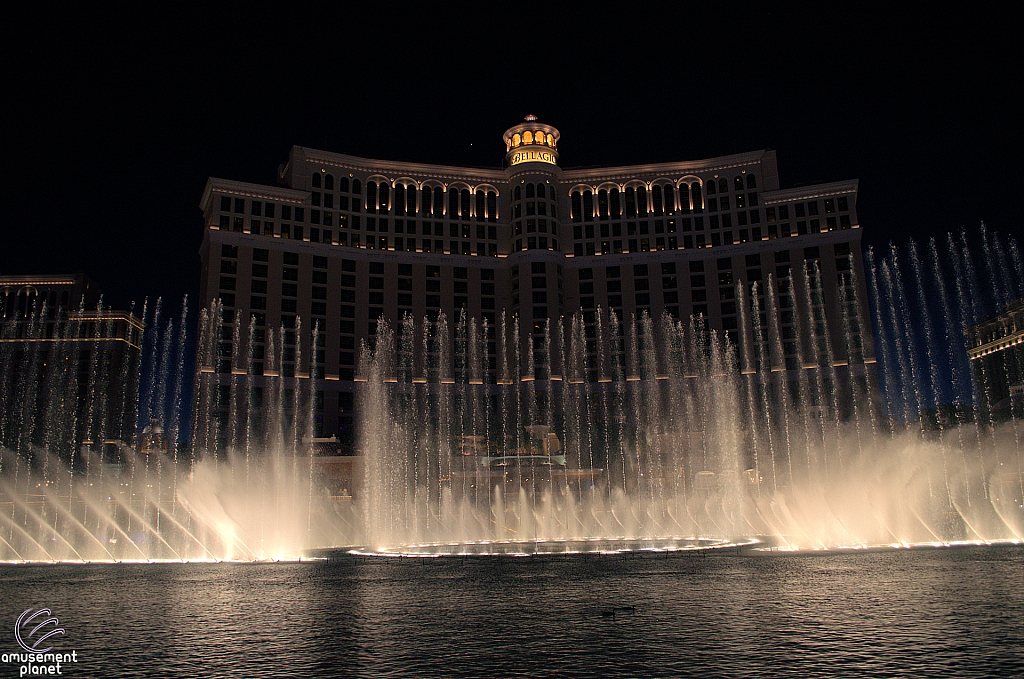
x: 897, y: 613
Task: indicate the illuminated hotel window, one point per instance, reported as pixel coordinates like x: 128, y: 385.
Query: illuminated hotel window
x: 515, y: 139
x: 453, y: 204
x: 410, y: 200
x: 426, y: 204
x: 641, y: 201
x: 528, y: 137
x: 438, y: 202
x: 696, y: 198
x: 492, y: 207
x: 481, y: 200
x: 399, y: 202
x: 371, y: 196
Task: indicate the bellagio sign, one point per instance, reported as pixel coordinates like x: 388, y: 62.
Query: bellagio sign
x: 532, y: 156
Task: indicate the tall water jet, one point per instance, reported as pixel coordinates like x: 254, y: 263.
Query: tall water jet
x: 597, y: 432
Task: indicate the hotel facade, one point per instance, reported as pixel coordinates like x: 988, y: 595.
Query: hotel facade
x: 342, y: 241
x: 69, y: 367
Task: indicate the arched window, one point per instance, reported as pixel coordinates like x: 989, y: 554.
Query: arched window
x: 696, y: 197
x: 329, y: 182
x: 530, y: 191
x: 453, y: 203
x: 576, y: 207
x: 711, y: 187
x: 518, y: 193
x: 480, y: 204
x: 399, y: 199
x: 410, y: 200
x: 316, y: 180
x: 541, y: 193
x: 527, y: 137
x: 737, y: 184
x: 515, y: 139
x: 751, y: 182
x: 616, y: 208
x: 602, y: 203
x: 438, y: 202
x: 357, y: 187
x: 383, y: 196
x: 723, y: 186
x: 684, y: 198
x: 641, y: 201
x: 425, y: 204
x: 465, y: 203
x: 551, y: 141
x: 371, y: 196
x: 670, y: 198
x: 630, y: 202
x: 492, y: 206
x: 588, y: 205
x: 343, y: 184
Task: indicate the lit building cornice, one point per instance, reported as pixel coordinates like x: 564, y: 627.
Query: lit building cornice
x: 627, y: 172
x: 396, y: 169
x: 808, y: 192
x: 247, y: 190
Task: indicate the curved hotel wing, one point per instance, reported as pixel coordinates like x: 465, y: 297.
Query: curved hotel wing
x: 342, y: 241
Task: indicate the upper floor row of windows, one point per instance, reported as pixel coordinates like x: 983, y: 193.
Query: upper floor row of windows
x: 538, y: 190
x: 586, y: 204
x: 635, y: 201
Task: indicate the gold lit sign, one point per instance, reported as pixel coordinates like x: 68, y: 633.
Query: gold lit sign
x: 532, y: 156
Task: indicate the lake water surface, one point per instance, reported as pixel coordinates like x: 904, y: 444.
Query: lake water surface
x: 923, y: 612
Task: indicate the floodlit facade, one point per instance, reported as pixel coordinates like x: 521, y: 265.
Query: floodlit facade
x: 996, y: 349
x: 342, y: 241
x: 69, y: 368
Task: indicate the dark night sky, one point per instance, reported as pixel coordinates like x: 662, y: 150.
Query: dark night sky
x: 114, y: 123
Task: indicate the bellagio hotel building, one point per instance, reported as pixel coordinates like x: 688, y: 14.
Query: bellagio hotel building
x: 340, y: 241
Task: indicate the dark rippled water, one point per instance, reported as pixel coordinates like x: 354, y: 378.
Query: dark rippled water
x: 930, y: 612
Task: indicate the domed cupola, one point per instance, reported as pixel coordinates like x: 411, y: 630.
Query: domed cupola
x: 531, y: 142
